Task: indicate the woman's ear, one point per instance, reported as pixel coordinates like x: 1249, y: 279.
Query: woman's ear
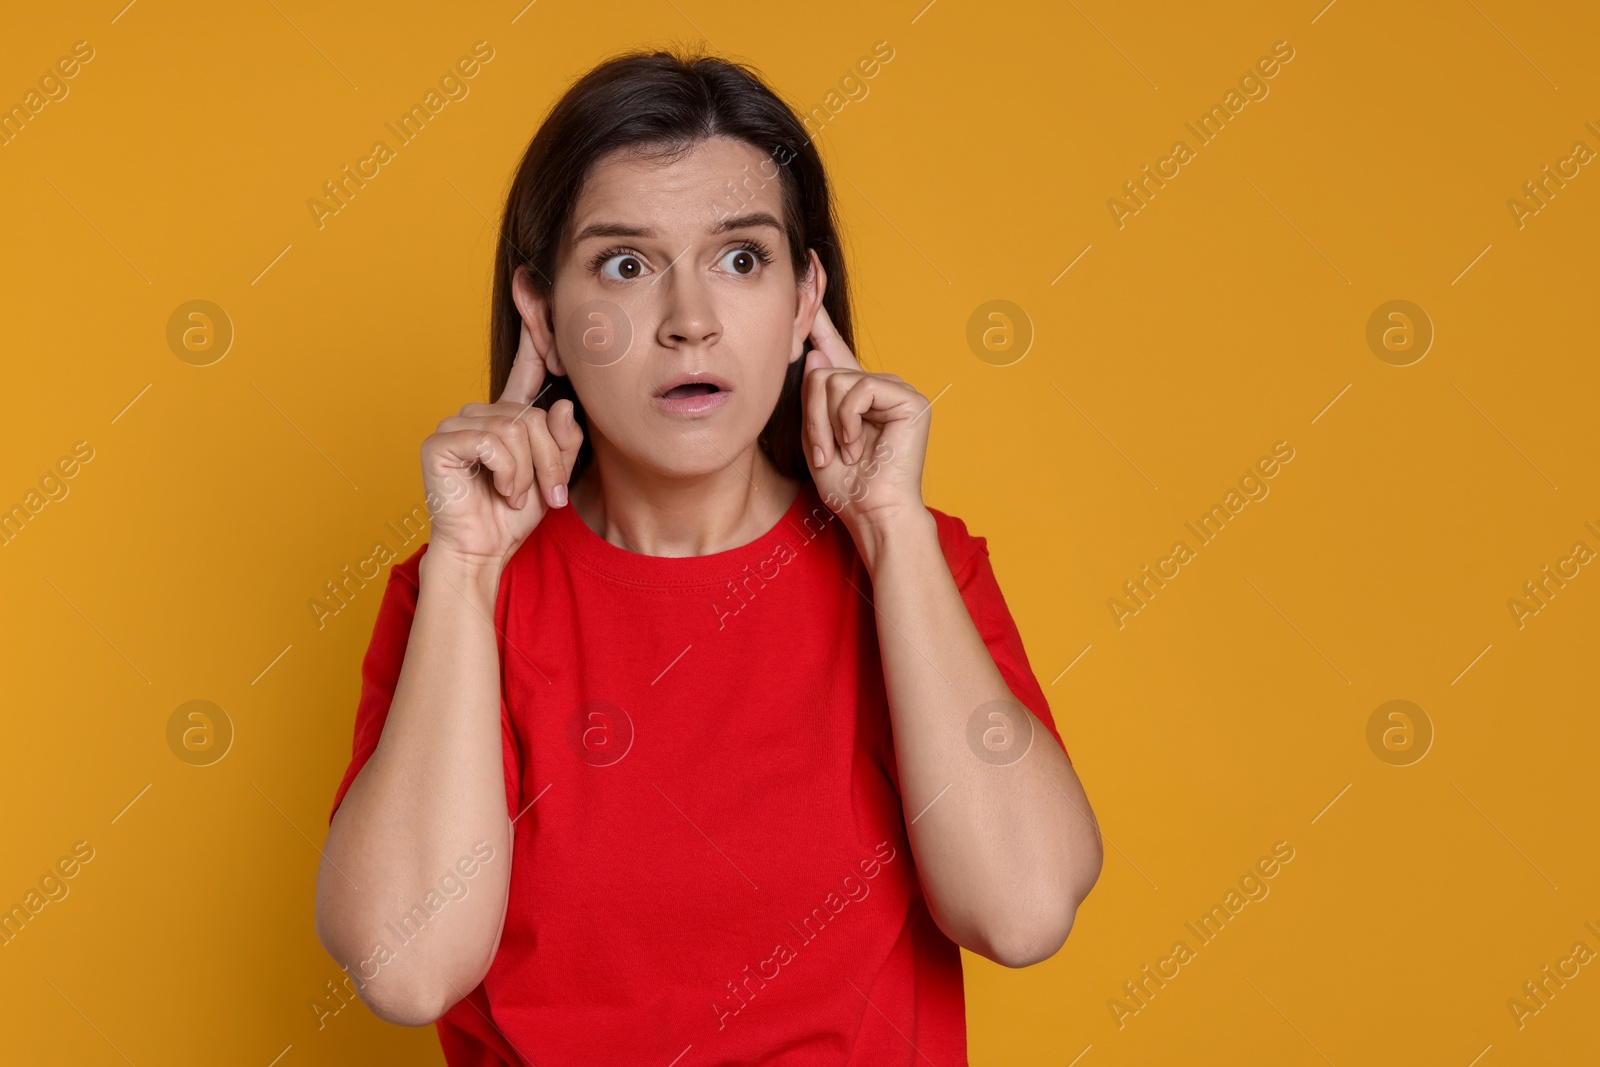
x: 537, y: 315
x: 812, y: 288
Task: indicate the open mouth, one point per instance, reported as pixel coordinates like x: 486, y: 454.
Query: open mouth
x: 683, y: 392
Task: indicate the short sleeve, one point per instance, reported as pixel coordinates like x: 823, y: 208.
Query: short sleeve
x: 380, y: 674
x: 980, y: 591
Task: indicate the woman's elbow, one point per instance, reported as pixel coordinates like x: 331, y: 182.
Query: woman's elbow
x: 1027, y: 950
x: 405, y: 1006
x: 1035, y: 942
x: 393, y: 992
x: 1086, y: 868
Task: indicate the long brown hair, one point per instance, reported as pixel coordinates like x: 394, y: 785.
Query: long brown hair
x: 662, y: 103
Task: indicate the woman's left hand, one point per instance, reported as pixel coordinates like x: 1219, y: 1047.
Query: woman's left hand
x: 865, y: 436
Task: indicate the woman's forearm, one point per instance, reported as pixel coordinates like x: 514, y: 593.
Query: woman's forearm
x: 1005, y: 851
x: 431, y: 795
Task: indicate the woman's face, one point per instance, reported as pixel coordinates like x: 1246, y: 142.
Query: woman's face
x: 672, y: 272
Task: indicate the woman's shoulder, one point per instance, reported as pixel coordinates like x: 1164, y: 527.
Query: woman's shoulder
x: 960, y: 544
x: 408, y: 568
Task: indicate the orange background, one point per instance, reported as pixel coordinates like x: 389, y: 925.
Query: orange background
x: 1231, y: 312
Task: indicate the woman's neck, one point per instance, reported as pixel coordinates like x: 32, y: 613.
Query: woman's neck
x: 640, y: 512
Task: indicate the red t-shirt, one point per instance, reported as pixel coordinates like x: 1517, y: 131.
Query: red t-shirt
x: 710, y: 862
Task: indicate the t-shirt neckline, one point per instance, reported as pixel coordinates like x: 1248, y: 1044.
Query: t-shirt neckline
x: 588, y: 548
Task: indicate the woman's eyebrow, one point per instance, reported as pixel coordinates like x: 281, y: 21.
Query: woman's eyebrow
x: 612, y: 229
x: 749, y: 220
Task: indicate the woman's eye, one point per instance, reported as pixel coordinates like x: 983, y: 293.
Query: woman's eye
x: 742, y: 261
x: 628, y: 267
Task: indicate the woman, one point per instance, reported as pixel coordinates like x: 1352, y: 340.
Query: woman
x: 718, y: 760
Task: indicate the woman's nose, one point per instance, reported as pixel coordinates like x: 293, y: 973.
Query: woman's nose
x: 689, y: 313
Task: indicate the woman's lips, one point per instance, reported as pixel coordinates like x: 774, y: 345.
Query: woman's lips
x: 692, y: 400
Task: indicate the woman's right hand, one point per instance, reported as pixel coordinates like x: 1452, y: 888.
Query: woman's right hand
x: 492, y: 471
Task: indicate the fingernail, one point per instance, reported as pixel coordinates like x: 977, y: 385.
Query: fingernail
x: 560, y: 494
x: 522, y: 498
x: 816, y: 452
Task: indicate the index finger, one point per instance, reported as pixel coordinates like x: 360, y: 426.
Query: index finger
x: 826, y: 339
x: 527, y: 372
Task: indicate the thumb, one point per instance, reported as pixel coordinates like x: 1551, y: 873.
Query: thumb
x: 565, y: 431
